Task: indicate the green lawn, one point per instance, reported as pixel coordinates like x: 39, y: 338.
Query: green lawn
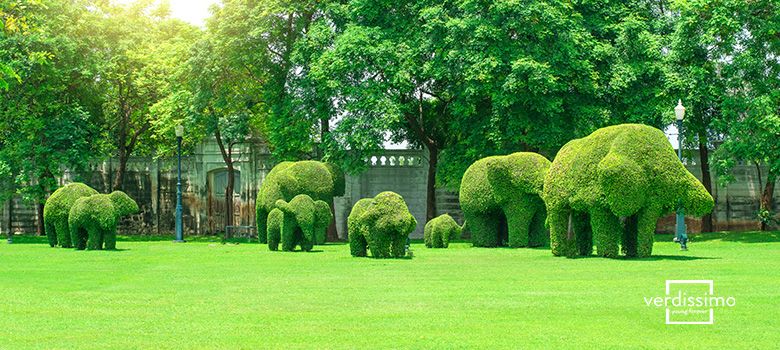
x: 160, y: 295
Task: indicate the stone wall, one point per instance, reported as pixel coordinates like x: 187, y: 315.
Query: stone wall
x: 153, y: 184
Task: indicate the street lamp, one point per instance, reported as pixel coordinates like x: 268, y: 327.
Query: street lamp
x: 682, y: 237
x: 179, y: 235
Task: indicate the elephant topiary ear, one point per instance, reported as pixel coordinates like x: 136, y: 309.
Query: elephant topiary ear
x: 623, y: 184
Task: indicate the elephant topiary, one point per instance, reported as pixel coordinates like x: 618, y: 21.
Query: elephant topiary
x: 610, y: 188
x: 303, y: 221
x: 318, y: 180
x: 57, y: 208
x: 440, y: 230
x: 501, y: 200
x: 381, y: 224
x: 93, y: 219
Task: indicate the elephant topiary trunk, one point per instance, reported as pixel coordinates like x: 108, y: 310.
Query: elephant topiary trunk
x: 500, y: 198
x: 610, y: 188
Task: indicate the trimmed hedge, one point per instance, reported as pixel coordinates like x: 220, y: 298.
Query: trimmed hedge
x: 93, y: 219
x: 440, y: 230
x: 381, y: 224
x: 56, y: 210
x: 627, y: 171
x: 504, y: 192
x: 318, y: 180
x: 301, y: 222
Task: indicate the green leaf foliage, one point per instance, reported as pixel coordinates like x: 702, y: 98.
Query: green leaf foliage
x: 625, y: 171
x: 440, y: 230
x: 382, y: 225
x: 501, y: 200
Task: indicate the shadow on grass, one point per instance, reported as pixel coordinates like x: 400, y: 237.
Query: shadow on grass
x: 740, y: 237
x: 672, y: 257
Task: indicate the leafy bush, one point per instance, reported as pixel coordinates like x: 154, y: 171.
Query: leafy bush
x: 320, y: 181
x: 627, y: 171
x: 503, y: 192
x: 57, y: 208
x: 382, y: 224
x: 440, y: 230
x: 93, y: 219
x: 301, y: 222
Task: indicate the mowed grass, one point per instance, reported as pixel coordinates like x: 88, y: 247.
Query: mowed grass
x: 206, y: 295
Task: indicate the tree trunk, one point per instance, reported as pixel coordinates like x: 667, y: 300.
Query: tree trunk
x: 39, y: 211
x: 119, y: 177
x: 333, y: 234
x: 706, y: 180
x: 227, y: 157
x: 430, y: 201
x: 767, y: 198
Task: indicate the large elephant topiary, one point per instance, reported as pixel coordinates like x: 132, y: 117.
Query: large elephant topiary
x: 440, y: 231
x: 501, y: 200
x: 382, y: 224
x: 93, y: 219
x: 303, y: 221
x: 57, y: 208
x: 610, y: 188
x: 318, y: 180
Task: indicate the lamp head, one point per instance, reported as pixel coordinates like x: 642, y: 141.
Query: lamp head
x: 679, y: 111
x: 179, y: 130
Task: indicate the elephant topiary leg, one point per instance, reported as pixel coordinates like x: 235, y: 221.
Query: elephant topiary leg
x: 63, y: 233
x: 109, y: 240
x: 518, y: 220
x: 288, y: 233
x: 379, y: 244
x: 51, y: 232
x: 562, y: 240
x: 583, y: 232
x: 484, y: 230
x: 398, y: 246
x: 95, y: 238
x: 647, y: 220
x: 261, y: 217
x: 606, y: 232
x: 357, y: 242
x: 537, y: 231
x: 307, y: 239
x: 274, y: 231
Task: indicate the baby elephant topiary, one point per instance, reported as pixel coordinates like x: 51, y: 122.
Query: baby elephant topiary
x: 303, y: 221
x: 318, y: 180
x: 382, y: 224
x: 57, y: 208
x: 501, y: 200
x: 440, y: 230
x: 610, y: 188
x: 93, y: 219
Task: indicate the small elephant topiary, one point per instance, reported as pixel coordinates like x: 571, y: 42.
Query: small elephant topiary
x: 501, y: 200
x: 440, y: 231
x: 318, y: 180
x: 93, y: 219
x: 610, y: 188
x: 381, y: 224
x: 56, y: 210
x: 303, y: 221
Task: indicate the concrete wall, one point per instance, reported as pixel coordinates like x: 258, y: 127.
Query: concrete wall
x: 153, y: 184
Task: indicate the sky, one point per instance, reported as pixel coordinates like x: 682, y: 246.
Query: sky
x: 192, y: 11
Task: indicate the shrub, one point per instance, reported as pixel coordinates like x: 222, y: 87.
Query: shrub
x: 440, y: 230
x: 320, y: 181
x: 627, y: 171
x: 57, y: 208
x: 503, y: 193
x: 382, y: 224
x: 93, y: 219
x: 301, y: 222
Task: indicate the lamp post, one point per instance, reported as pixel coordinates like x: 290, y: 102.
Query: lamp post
x: 682, y: 237
x: 179, y: 235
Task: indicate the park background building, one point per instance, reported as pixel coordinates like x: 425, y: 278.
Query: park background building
x: 152, y: 183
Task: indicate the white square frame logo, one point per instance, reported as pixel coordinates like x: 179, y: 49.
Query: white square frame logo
x: 712, y: 292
